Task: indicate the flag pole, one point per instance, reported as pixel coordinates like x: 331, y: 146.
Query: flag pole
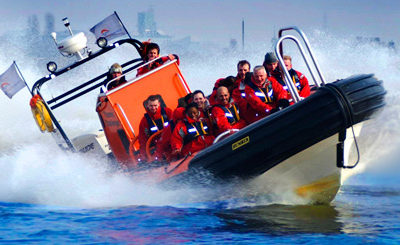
x: 19, y: 72
x: 120, y: 21
x: 242, y: 34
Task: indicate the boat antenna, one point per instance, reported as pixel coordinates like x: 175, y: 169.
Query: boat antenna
x: 75, y: 45
x: 66, y: 24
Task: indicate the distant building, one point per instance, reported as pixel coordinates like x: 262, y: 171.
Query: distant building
x: 376, y: 41
x: 147, y: 27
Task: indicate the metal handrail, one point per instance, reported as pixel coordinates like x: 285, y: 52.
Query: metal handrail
x: 287, y: 80
x: 308, y: 46
x: 223, y: 134
x: 135, y: 43
x: 135, y: 69
x: 38, y: 84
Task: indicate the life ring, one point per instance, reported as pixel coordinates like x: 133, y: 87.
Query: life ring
x: 41, y: 114
x: 148, y: 144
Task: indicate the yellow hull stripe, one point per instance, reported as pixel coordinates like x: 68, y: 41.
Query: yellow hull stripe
x: 326, y: 184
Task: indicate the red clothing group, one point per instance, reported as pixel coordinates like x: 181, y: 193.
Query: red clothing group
x: 249, y: 102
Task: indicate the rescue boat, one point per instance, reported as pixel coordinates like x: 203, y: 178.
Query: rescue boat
x: 301, y: 149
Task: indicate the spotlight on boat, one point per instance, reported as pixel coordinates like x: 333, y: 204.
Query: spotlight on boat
x: 101, y: 42
x: 51, y: 66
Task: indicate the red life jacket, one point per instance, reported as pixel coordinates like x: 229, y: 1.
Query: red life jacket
x: 232, y: 113
x: 157, y: 125
x: 194, y: 130
x: 266, y: 95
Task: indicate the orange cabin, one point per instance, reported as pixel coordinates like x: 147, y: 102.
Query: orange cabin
x: 121, y: 109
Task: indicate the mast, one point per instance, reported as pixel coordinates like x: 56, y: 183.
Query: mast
x: 243, y: 34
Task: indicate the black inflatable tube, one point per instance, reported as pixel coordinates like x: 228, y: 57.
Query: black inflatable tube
x: 330, y: 110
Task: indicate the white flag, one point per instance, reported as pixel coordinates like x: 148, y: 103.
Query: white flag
x: 11, y: 82
x: 109, y: 28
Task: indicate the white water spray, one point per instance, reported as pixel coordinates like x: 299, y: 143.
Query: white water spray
x: 34, y: 170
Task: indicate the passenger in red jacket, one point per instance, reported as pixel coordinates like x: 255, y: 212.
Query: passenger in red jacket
x: 155, y: 119
x: 238, y: 94
x: 163, y: 149
x: 263, y: 94
x: 271, y: 64
x: 300, y: 81
x: 153, y: 54
x: 274, y: 70
x: 202, y: 103
x: 226, y: 114
x: 191, y: 134
x: 228, y: 82
x: 243, y: 67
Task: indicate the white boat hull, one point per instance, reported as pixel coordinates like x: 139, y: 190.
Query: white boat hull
x: 310, y: 176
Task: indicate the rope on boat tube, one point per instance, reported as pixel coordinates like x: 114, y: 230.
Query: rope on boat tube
x: 358, y: 151
x: 338, y: 91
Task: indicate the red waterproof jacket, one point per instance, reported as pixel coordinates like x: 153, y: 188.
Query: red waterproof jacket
x: 300, y: 81
x: 212, y: 99
x: 156, y: 63
x: 239, y: 97
x: 191, y: 136
x: 163, y: 149
x: 263, y: 99
x: 235, y: 94
x: 152, y: 123
x: 227, y: 117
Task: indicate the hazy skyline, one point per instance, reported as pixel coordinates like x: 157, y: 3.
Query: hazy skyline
x: 218, y: 21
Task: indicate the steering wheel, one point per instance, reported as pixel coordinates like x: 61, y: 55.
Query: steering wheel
x: 149, y: 149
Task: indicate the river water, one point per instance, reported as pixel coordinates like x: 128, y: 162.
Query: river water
x: 359, y: 214
x: 49, y: 196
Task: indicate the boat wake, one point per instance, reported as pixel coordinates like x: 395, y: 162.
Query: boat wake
x: 40, y: 174
x: 34, y: 170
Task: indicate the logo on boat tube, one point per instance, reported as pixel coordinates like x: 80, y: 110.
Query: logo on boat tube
x: 240, y: 143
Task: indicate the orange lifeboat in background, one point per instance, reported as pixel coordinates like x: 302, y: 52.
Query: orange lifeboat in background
x: 121, y: 109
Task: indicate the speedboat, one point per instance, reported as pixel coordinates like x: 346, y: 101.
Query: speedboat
x: 301, y: 149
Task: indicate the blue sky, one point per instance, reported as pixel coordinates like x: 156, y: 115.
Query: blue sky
x: 219, y: 20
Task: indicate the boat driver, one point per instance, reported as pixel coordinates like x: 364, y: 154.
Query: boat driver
x: 152, y: 53
x: 155, y: 119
